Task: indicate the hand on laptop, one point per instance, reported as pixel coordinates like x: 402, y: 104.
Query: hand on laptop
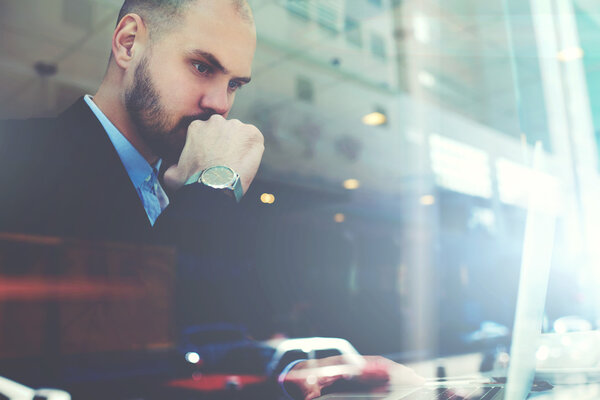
x: 312, y: 378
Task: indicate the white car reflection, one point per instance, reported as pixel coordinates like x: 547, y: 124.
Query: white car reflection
x: 16, y: 391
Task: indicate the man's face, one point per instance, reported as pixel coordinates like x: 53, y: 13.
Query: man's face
x: 192, y: 72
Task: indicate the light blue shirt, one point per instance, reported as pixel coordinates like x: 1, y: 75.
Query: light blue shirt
x: 143, y: 175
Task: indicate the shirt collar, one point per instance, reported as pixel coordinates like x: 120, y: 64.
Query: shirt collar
x: 136, y: 165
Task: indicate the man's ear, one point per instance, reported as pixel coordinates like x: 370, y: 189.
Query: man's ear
x: 129, y: 37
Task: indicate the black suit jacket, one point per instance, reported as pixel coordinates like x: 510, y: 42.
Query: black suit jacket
x: 62, y: 176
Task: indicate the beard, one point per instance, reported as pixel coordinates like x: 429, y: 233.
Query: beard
x: 161, y: 132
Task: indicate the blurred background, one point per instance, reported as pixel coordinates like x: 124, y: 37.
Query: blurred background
x: 399, y: 139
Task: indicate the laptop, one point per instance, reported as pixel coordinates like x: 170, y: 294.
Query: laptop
x: 533, y: 283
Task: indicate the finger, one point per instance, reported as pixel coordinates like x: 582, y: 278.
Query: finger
x: 402, y: 375
x: 379, y: 367
x: 325, y: 381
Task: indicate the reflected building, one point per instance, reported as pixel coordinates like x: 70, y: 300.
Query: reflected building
x: 399, y: 140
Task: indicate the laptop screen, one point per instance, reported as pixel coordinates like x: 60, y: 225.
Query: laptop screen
x: 535, y: 269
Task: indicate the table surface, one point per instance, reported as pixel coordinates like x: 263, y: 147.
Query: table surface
x: 468, y: 365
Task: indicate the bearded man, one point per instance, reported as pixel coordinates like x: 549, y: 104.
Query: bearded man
x: 172, y: 78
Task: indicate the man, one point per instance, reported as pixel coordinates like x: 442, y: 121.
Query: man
x: 174, y: 71
x: 173, y: 74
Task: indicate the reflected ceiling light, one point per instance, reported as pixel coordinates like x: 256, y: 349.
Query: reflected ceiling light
x: 267, y: 198
x: 339, y: 218
x: 503, y: 358
x: 374, y: 119
x: 422, y: 30
x: 192, y: 357
x: 572, y: 53
x: 427, y: 200
x: 351, y: 184
x: 426, y: 79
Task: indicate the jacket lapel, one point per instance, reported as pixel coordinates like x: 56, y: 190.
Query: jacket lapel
x: 109, y: 202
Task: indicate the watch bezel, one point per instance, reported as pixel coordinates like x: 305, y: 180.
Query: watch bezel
x: 227, y: 185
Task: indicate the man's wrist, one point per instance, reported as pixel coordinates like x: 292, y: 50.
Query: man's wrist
x: 194, y: 178
x: 219, y: 177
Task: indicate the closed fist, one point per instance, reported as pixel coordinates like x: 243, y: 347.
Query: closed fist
x: 218, y: 141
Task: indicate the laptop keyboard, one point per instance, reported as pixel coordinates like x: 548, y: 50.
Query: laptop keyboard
x: 475, y: 393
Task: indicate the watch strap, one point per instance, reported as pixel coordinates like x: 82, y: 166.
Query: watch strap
x: 194, y: 178
x: 238, y: 191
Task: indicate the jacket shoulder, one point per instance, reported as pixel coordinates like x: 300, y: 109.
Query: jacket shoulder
x: 30, y: 125
x: 33, y: 127
x: 26, y: 130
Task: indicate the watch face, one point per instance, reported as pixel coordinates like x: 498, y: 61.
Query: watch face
x: 218, y: 177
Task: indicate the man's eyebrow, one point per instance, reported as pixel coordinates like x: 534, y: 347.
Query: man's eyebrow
x: 216, y: 63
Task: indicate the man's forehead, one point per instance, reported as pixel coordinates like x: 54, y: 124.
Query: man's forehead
x: 216, y: 29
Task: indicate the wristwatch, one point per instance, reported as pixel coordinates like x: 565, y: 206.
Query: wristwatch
x: 219, y: 177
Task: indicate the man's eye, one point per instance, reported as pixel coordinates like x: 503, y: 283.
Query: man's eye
x: 202, y: 68
x: 233, y: 85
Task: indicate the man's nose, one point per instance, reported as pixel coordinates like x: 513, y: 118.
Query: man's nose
x: 216, y: 101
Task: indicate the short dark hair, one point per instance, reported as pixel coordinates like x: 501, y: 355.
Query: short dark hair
x: 162, y: 15
x: 159, y: 15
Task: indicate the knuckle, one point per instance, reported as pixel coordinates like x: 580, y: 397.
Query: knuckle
x: 255, y: 136
x: 260, y: 138
x: 195, y: 124
x: 253, y: 130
